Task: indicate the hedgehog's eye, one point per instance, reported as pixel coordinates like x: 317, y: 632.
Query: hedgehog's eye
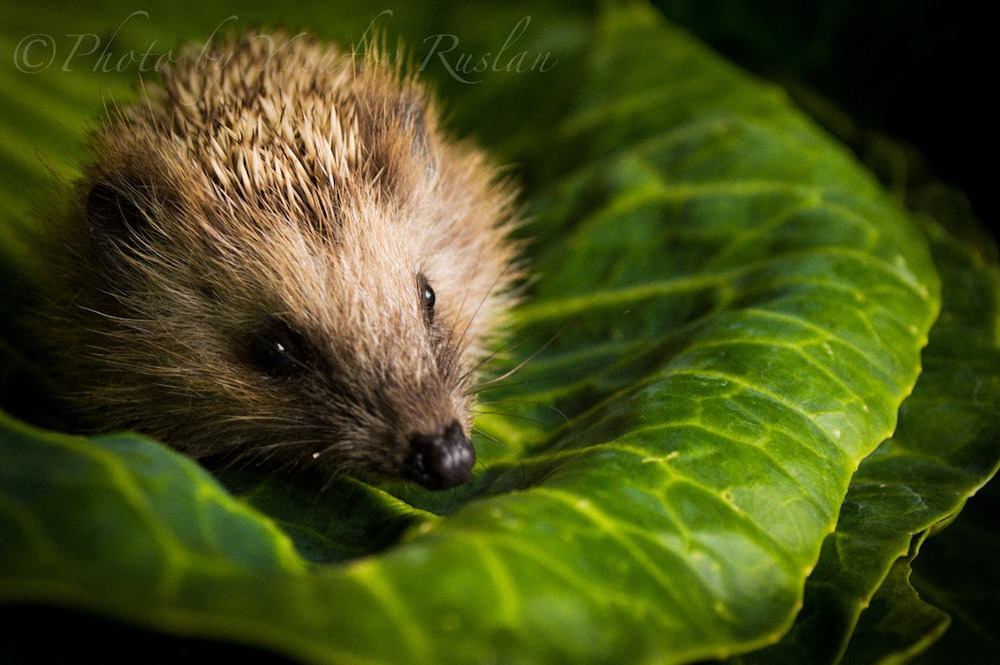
x: 278, y: 350
x: 428, y: 298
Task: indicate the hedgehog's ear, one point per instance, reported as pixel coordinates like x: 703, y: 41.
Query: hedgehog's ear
x: 116, y: 224
x: 412, y: 114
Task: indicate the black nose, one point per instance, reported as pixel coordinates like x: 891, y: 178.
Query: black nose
x: 440, y: 461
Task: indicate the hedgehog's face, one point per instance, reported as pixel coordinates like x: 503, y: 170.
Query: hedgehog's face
x: 344, y: 351
x: 244, y: 331
x: 362, y: 332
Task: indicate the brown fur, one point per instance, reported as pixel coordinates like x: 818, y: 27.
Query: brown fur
x: 279, y: 179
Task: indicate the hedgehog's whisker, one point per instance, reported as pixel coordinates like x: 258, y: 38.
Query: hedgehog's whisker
x: 501, y: 402
x: 506, y: 375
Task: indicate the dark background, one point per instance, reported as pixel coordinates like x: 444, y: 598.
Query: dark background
x: 915, y: 70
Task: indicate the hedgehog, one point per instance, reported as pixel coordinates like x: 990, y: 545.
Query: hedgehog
x: 278, y: 256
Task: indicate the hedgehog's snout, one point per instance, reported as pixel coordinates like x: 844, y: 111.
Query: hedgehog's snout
x: 440, y: 461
